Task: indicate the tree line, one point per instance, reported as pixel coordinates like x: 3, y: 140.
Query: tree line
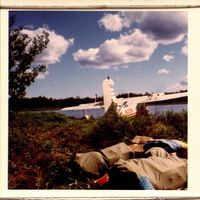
x: 43, y: 102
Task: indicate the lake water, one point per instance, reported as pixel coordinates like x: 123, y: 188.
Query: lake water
x: 99, y: 112
x: 156, y: 109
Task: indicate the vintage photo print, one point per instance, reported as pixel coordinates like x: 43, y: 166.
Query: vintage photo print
x: 99, y: 102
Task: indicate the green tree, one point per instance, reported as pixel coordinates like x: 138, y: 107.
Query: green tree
x: 22, y: 53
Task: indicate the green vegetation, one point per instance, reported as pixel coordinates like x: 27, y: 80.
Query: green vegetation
x: 42, y: 145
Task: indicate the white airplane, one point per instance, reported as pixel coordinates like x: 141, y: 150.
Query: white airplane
x: 125, y: 106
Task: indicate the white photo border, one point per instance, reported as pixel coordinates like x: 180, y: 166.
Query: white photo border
x: 193, y: 10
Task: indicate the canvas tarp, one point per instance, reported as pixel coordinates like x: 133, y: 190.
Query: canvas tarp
x: 92, y: 162
x: 98, y: 163
x: 141, y: 139
x: 116, y: 152
x: 138, y: 143
x: 165, y: 173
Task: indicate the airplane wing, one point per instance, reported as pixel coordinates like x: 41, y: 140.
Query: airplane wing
x: 157, y: 97
x: 86, y: 106
x: 128, y: 106
x: 160, y: 97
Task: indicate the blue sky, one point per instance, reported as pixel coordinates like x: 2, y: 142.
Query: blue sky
x: 141, y: 51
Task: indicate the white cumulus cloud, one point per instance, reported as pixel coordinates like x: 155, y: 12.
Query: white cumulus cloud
x: 129, y: 48
x: 181, y: 85
x: 56, y: 47
x: 163, y: 71
x: 137, y: 45
x: 125, y: 66
x: 168, y: 57
x: 116, y: 22
x: 184, y: 49
x: 164, y: 27
x: 111, y: 22
x: 42, y: 75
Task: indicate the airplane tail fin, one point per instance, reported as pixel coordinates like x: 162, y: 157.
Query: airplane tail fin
x: 108, y: 93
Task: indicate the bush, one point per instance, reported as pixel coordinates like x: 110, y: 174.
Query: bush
x: 141, y: 110
x: 110, y: 129
x: 178, y: 121
x: 141, y: 125
x: 160, y: 130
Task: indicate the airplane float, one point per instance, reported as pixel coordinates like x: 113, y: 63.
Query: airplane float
x: 125, y: 106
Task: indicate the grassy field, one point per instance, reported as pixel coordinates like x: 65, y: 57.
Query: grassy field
x: 42, y: 145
